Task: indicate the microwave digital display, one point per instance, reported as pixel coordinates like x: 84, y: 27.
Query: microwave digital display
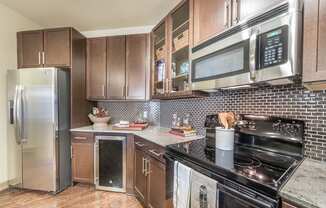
x: 273, y: 47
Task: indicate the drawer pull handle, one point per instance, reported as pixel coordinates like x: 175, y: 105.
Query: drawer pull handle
x: 139, y: 144
x: 157, y: 154
x: 80, y: 138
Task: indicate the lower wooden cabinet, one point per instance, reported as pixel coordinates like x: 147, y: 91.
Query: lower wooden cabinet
x: 83, y: 157
x: 149, y: 176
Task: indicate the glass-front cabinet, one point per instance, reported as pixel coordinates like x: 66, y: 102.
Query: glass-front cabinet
x: 171, y: 41
x: 160, y: 59
x: 180, y: 64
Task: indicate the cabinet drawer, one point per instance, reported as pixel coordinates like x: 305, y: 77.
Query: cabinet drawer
x: 150, y: 148
x: 82, y: 137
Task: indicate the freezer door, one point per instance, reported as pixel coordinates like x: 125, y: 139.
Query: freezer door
x: 14, y: 151
x: 39, y: 124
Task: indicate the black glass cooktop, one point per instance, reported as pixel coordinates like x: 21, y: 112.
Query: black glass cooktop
x: 250, y: 164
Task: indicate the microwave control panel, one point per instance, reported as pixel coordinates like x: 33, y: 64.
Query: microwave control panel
x: 273, y: 47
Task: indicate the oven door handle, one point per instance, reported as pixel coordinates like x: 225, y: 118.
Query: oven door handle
x: 243, y: 197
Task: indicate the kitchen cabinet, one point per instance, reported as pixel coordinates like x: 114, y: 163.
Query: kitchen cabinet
x: 171, y: 46
x: 314, y: 44
x: 96, y: 68
x: 137, y: 66
x: 118, y: 68
x: 57, y: 48
x: 243, y: 9
x: 44, y: 48
x: 30, y: 47
x: 149, y: 174
x: 116, y: 64
x: 83, y: 157
x: 210, y: 17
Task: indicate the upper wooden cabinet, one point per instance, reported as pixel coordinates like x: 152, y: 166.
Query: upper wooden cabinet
x: 96, y: 68
x: 210, y: 17
x: 30, y: 48
x: 44, y: 48
x: 116, y: 64
x: 117, y: 68
x: 57, y: 48
x: 243, y: 9
x: 314, y: 44
x: 137, y: 66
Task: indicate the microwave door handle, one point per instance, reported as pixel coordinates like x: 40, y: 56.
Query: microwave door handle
x: 226, y: 13
x: 252, y: 54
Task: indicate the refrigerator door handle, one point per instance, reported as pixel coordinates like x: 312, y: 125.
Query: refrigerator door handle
x: 22, y: 121
x: 17, y: 118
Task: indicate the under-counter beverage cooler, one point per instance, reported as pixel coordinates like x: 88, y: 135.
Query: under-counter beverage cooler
x: 110, y: 163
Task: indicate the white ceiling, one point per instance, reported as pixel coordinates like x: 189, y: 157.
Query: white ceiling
x: 86, y: 15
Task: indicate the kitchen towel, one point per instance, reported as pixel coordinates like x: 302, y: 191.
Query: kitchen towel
x: 181, y: 185
x: 203, y: 191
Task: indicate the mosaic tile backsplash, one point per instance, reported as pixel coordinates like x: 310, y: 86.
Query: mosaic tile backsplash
x: 286, y: 101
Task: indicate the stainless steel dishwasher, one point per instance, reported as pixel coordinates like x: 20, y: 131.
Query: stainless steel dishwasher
x: 110, y: 163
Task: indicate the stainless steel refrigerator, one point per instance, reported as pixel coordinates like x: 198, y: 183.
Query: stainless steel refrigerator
x: 38, y: 129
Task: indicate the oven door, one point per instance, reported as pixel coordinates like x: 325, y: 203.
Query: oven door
x: 232, y: 198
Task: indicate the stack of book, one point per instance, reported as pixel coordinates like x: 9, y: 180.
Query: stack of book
x: 184, y: 132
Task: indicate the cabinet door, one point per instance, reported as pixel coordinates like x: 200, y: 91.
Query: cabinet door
x: 314, y: 63
x: 96, y: 68
x: 208, y: 19
x: 140, y: 177
x: 83, y: 162
x: 29, y: 49
x: 249, y: 8
x: 57, y: 48
x: 156, y: 184
x: 116, y: 67
x: 137, y: 64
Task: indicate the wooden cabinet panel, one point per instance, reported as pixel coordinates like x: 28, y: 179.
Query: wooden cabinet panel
x: 314, y: 43
x: 96, y: 68
x: 208, y: 19
x: 249, y: 8
x: 116, y: 67
x: 140, y: 182
x: 57, y: 47
x: 156, y: 184
x: 137, y: 64
x: 29, y: 49
x: 83, y: 157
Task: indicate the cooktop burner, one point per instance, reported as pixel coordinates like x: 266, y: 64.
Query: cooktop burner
x: 252, y: 164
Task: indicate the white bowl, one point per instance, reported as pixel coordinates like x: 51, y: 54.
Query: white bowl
x: 99, y: 121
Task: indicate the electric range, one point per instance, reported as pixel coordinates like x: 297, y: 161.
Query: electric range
x: 266, y: 152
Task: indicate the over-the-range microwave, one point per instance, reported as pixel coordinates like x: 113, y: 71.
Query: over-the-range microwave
x: 266, y: 48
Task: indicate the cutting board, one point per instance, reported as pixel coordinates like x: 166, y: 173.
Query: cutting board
x: 132, y: 127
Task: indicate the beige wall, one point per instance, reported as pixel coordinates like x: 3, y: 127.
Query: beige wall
x: 10, y: 23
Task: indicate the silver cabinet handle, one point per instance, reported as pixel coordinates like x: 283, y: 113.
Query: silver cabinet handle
x: 148, y: 167
x: 103, y: 91
x: 252, y: 54
x: 43, y: 57
x: 144, y: 166
x: 39, y: 58
x: 80, y: 138
x: 235, y: 11
x: 226, y: 13
x: 154, y: 152
x: 139, y: 144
